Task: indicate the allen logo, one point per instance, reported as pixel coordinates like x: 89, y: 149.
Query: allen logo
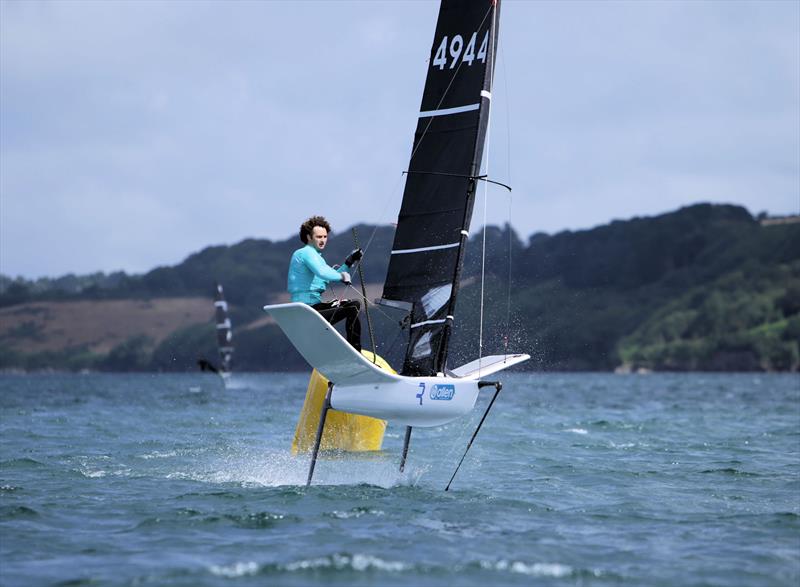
x: 443, y: 391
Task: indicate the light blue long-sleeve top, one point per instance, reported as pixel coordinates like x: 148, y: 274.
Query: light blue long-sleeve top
x: 309, y: 275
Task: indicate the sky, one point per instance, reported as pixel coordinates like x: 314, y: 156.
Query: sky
x: 133, y: 134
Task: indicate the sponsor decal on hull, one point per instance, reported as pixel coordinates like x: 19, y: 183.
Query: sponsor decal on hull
x: 442, y: 391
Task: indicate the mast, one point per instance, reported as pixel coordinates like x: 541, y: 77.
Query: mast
x: 432, y: 228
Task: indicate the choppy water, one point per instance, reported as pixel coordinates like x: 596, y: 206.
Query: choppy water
x: 574, y: 480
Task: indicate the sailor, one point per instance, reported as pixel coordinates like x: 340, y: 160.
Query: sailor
x: 309, y: 276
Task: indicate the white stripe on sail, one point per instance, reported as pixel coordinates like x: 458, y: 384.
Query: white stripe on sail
x: 446, y: 111
x: 416, y: 324
x: 423, y: 249
x: 486, y: 94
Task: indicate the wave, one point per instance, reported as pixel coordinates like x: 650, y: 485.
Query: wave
x: 542, y: 569
x: 236, y: 383
x: 336, y: 562
x: 159, y: 455
x: 223, y: 494
x: 100, y: 473
x: 555, y: 570
x: 731, y: 471
x: 281, y: 469
x: 355, y: 562
x: 21, y: 463
x: 368, y: 563
x: 16, y: 512
x: 356, y: 512
x: 192, y: 517
x: 622, y: 445
x: 258, y: 520
x: 234, y: 570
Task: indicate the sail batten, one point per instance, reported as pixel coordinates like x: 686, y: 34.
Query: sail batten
x: 436, y: 211
x: 446, y: 111
x: 425, y: 249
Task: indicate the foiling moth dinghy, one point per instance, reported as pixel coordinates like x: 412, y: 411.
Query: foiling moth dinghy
x: 359, y: 386
x: 224, y: 336
x: 427, y: 255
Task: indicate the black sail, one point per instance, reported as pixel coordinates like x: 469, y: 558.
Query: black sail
x: 224, y: 331
x: 435, y: 214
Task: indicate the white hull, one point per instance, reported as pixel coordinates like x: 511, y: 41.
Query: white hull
x: 413, y: 401
x: 360, y: 387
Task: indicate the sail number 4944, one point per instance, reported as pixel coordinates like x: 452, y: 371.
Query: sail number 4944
x: 454, y: 48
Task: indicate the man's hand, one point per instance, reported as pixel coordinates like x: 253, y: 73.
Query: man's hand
x: 354, y: 257
x: 345, y: 277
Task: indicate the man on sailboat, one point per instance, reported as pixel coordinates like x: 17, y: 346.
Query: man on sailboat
x: 309, y: 276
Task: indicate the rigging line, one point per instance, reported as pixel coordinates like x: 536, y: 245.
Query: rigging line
x: 386, y: 201
x: 485, y: 210
x: 508, y: 109
x: 483, y: 249
x: 449, y: 85
x: 460, y: 175
x: 430, y: 121
x: 508, y: 301
x: 507, y: 102
x: 338, y: 297
x: 390, y: 348
x: 366, y: 305
x: 373, y: 304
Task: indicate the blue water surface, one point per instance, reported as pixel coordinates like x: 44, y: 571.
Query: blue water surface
x: 575, y: 479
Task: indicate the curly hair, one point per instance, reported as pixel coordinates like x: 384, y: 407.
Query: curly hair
x: 307, y: 228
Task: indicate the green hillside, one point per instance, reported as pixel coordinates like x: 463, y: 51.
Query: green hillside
x: 707, y: 287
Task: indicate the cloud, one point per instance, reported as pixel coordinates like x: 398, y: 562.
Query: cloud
x: 133, y: 134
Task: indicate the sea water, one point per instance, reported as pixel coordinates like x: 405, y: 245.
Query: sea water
x: 575, y: 479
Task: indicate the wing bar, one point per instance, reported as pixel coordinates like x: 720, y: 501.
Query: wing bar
x: 324, y: 348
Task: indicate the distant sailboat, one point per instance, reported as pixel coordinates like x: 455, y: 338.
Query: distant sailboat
x: 224, y: 338
x: 428, y: 250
